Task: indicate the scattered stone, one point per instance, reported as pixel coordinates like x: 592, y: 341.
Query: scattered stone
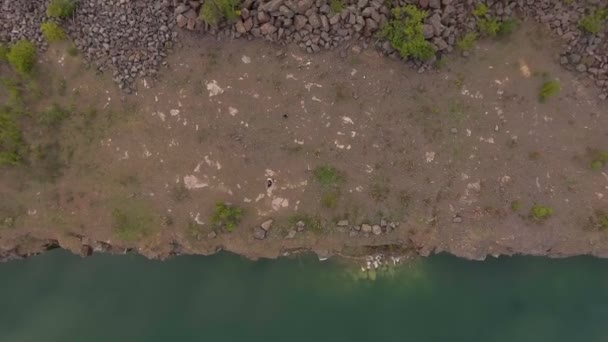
x: 291, y: 234
x: 376, y: 229
x: 457, y: 219
x: 266, y: 225
x: 300, y: 226
x: 342, y: 223
x: 212, y: 235
x: 86, y: 250
x: 454, y: 130
x: 366, y: 228
x: 259, y: 233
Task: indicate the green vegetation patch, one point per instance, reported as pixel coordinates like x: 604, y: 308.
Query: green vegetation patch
x: 467, y: 42
x: 72, y: 51
x: 548, y: 89
x: 593, y: 22
x: 3, y: 52
x: 52, y: 32
x: 214, y: 11
x: 601, y: 219
x: 404, y: 32
x: 336, y: 6
x: 488, y: 27
x: 133, y: 220
x: 540, y: 213
x: 311, y: 223
x: 516, y: 205
x: 480, y: 10
x: 22, y: 56
x: 54, y: 115
x: 61, y: 8
x: 12, y: 146
x: 328, y: 176
x: 226, y: 216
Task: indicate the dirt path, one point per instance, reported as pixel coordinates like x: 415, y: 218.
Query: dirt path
x: 360, y: 149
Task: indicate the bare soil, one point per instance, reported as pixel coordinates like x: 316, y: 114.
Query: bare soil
x: 456, y: 156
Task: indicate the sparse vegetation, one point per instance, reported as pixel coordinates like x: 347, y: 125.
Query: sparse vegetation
x: 214, y: 11
x: 540, y: 212
x: 132, y: 221
x: 329, y: 199
x: 311, y: 223
x: 404, y: 32
x: 467, y: 42
x: 72, y: 51
x: 54, y: 115
x: 516, y: 205
x: 3, y: 52
x: 379, y: 191
x: 593, y: 22
x: 12, y: 147
x: 336, y: 6
x: 52, y: 32
x: 226, y: 216
x: 599, y: 160
x: 328, y: 176
x: 549, y: 89
x: 507, y: 27
x: 21, y: 57
x: 61, y: 8
x: 180, y: 192
x: 601, y: 219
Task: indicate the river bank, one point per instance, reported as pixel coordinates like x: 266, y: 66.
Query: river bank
x: 264, y: 152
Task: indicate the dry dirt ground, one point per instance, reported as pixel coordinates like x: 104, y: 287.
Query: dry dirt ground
x: 457, y: 156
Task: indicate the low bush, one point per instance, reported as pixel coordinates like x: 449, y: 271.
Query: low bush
x: 467, y: 42
x: 481, y: 10
x: 131, y: 223
x: 488, y: 27
x: 336, y: 6
x: 593, y: 23
x: 61, y: 8
x: 214, y: 11
x: 404, y: 32
x: 226, y: 216
x: 3, y: 52
x: 328, y: 176
x: 52, y: 32
x: 541, y: 213
x: 22, y: 56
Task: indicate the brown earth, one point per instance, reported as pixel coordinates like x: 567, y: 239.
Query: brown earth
x: 456, y: 156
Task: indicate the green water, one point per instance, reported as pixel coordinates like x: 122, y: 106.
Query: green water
x: 60, y: 297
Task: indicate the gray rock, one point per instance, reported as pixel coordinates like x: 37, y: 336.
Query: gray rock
x: 285, y: 11
x: 300, y: 226
x: 334, y: 20
x: 304, y: 5
x: 181, y: 20
x: 383, y: 223
x: 440, y: 43
x: 263, y: 17
x: 366, y: 228
x: 457, y: 219
x: 300, y: 21
x: 212, y: 235
x: 314, y: 21
x: 240, y: 27
x: 436, y: 4
x: 182, y: 8
x: 267, y: 29
x: 581, y: 67
x: 259, y: 233
x: 362, y: 3
x: 370, y: 26
x: 342, y: 223
x: 423, y: 3
x: 376, y: 229
x: 266, y: 225
x: 435, y: 21
x: 273, y: 5
x: 248, y: 24
x: 454, y: 130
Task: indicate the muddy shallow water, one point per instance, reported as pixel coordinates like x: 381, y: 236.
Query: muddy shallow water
x: 60, y: 297
x: 444, y: 154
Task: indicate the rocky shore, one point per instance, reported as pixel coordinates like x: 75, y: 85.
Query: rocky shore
x: 131, y: 39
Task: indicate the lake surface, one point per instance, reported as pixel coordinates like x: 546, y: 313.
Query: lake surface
x: 61, y: 297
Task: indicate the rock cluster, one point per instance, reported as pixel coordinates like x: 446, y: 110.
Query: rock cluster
x: 21, y: 20
x: 366, y: 230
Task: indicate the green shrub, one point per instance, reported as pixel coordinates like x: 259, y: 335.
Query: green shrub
x: 3, y: 52
x: 548, y: 89
x: 540, y: 213
x: 12, y: 146
x: 52, y: 32
x: 213, y: 11
x: 467, y: 42
x: 336, y: 6
x: 226, y: 216
x: 480, y: 10
x: 132, y: 223
x: 515, y: 205
x: 600, y: 158
x: 21, y: 56
x: 593, y: 23
x: 404, y: 32
x: 601, y: 218
x: 488, y: 27
x: 507, y: 27
x: 72, y: 51
x: 61, y: 8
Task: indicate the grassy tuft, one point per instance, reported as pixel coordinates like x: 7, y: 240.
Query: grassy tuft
x: 226, y: 216
x: 599, y: 160
x: 73, y: 51
x: 3, y: 52
x: 404, y: 32
x: 481, y: 10
x: 132, y: 222
x: 60, y: 8
x: 488, y: 27
x: 601, y: 219
x: 467, y: 42
x: 54, y: 115
x: 52, y: 32
x: 548, y: 89
x: 540, y: 213
x: 328, y: 176
x: 214, y: 11
x: 516, y: 205
x: 329, y: 199
x: 336, y: 6
x: 21, y: 56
